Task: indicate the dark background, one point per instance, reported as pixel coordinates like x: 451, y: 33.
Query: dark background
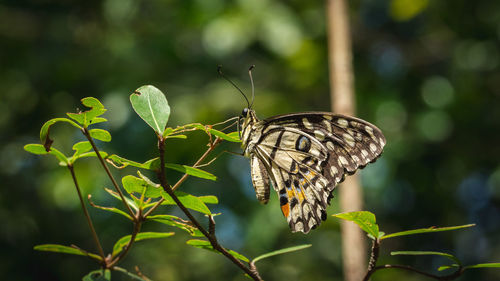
x: 426, y: 72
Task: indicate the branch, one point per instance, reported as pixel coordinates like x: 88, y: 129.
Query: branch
x: 373, y: 259
x: 374, y: 255
x: 451, y: 276
x: 185, y: 176
x: 87, y: 216
x: 372, y: 266
x: 211, y: 238
x: 103, y: 163
x: 137, y: 229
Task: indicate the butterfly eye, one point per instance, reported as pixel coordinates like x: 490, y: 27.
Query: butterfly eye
x: 244, y: 112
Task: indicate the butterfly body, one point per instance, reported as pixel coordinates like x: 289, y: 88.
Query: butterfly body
x: 305, y: 155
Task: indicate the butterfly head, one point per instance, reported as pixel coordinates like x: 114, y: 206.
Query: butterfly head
x: 247, y: 121
x: 244, y: 112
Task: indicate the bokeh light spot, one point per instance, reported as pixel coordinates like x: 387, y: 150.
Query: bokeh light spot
x: 119, y: 11
x: 473, y: 192
x: 226, y: 35
x: 494, y: 183
x: 281, y: 32
x: 437, y: 91
x: 472, y: 55
x: 375, y: 175
x: 391, y: 116
x: 435, y: 125
x: 403, y: 10
x: 64, y: 193
x: 118, y: 109
x: 387, y: 60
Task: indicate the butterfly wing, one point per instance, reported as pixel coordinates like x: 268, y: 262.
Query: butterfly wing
x: 308, y: 154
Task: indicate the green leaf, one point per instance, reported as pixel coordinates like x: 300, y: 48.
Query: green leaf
x: 209, y: 199
x: 130, y: 202
x: 484, y: 265
x: 425, y: 230
x: 38, y: 149
x: 122, y: 242
x: 152, y: 106
x: 195, y: 172
x: 113, y: 210
x: 281, y: 251
x: 129, y: 274
x: 151, y: 164
x: 81, y: 147
x: 238, y: 255
x: 177, y: 222
x: 96, y: 107
x: 120, y: 162
x: 364, y: 219
x: 141, y: 185
x: 425, y: 253
x: 45, y: 130
x: 65, y: 250
x: 89, y: 117
x: 99, y: 120
x: 235, y: 135
x: 189, y: 201
x: 445, y: 267
x: 176, y: 137
x: 204, y: 244
x: 100, y: 134
x: 98, y: 275
x: 154, y: 164
x: 231, y: 138
x: 93, y: 154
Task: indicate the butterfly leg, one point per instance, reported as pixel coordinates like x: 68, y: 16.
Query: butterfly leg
x: 215, y: 158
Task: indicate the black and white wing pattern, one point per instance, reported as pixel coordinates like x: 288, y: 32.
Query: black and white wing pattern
x: 305, y: 155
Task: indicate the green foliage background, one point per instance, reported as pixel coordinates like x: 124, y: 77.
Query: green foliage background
x: 426, y: 72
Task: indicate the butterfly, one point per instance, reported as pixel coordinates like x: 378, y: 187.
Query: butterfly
x: 305, y: 155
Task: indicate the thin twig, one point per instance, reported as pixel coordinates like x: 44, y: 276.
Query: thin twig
x: 211, y: 238
x: 372, y: 266
x: 185, y: 176
x: 87, y: 216
x: 451, y: 276
x: 103, y: 163
x: 137, y: 229
x: 211, y: 147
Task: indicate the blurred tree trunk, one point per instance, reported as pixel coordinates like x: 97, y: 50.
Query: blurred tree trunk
x: 343, y: 102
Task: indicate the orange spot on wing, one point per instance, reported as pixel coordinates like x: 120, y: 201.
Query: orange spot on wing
x: 286, y: 209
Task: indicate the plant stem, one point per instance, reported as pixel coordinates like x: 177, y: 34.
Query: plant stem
x: 137, y: 229
x: 87, y: 215
x: 103, y: 163
x: 185, y: 176
x: 211, y: 238
x: 211, y: 147
x: 374, y: 255
x: 372, y: 266
x: 451, y: 276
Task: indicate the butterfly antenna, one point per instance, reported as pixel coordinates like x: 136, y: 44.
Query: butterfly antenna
x: 251, y: 81
x: 219, y: 69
